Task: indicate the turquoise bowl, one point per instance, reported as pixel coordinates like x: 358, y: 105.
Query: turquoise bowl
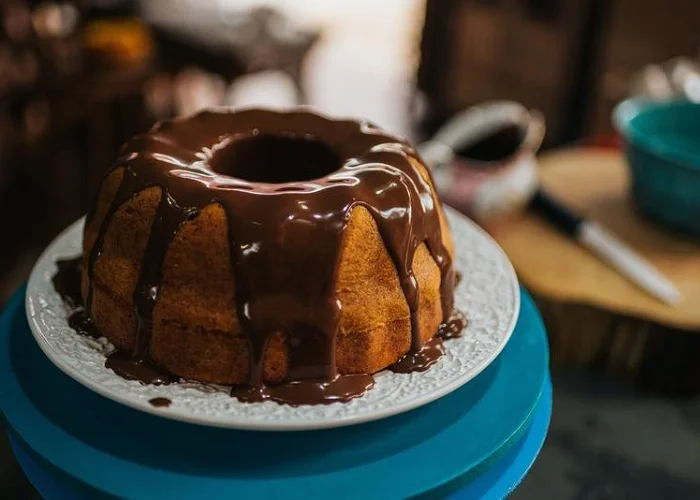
x: 662, y: 145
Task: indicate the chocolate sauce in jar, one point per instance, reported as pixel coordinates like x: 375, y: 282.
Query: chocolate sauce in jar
x: 496, y: 146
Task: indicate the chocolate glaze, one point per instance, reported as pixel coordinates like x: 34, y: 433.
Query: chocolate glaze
x: 160, y: 402
x: 142, y: 370
x: 427, y: 355
x: 82, y: 323
x: 419, y: 360
x: 67, y: 284
x: 66, y: 281
x: 452, y: 328
x: 280, y: 287
x: 299, y: 392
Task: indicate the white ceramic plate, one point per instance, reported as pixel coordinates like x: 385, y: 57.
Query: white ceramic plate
x: 488, y: 295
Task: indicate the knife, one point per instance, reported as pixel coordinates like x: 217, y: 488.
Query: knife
x: 606, y: 246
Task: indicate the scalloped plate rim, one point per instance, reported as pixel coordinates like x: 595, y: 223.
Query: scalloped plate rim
x: 50, y: 255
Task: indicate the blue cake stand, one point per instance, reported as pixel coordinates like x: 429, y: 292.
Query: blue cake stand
x: 477, y: 442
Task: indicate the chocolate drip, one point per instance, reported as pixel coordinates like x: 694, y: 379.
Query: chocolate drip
x: 341, y: 388
x: 418, y: 360
x: 66, y: 281
x: 160, y: 402
x: 167, y: 221
x: 127, y: 366
x: 82, y: 323
x: 452, y: 328
x: 283, y: 284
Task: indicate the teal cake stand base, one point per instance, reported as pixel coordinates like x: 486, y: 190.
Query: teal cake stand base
x: 477, y: 442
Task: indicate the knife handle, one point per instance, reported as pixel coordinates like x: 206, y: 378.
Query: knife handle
x: 556, y: 213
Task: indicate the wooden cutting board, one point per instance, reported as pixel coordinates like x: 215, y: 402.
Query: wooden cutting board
x: 594, y: 315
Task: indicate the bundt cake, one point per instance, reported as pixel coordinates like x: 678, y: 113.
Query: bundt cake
x: 284, y: 253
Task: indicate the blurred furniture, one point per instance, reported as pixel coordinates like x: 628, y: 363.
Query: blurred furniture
x: 39, y: 63
x: 571, y: 59
x: 115, y: 110
x: 594, y: 316
x: 527, y: 51
x: 231, y: 44
x: 62, y: 121
x: 639, y: 32
x: 73, y: 80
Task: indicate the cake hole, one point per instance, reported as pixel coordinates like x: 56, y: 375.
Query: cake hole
x: 276, y: 159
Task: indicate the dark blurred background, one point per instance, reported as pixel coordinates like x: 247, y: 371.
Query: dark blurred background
x: 79, y: 77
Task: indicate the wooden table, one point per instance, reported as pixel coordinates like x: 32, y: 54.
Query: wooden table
x: 594, y: 316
